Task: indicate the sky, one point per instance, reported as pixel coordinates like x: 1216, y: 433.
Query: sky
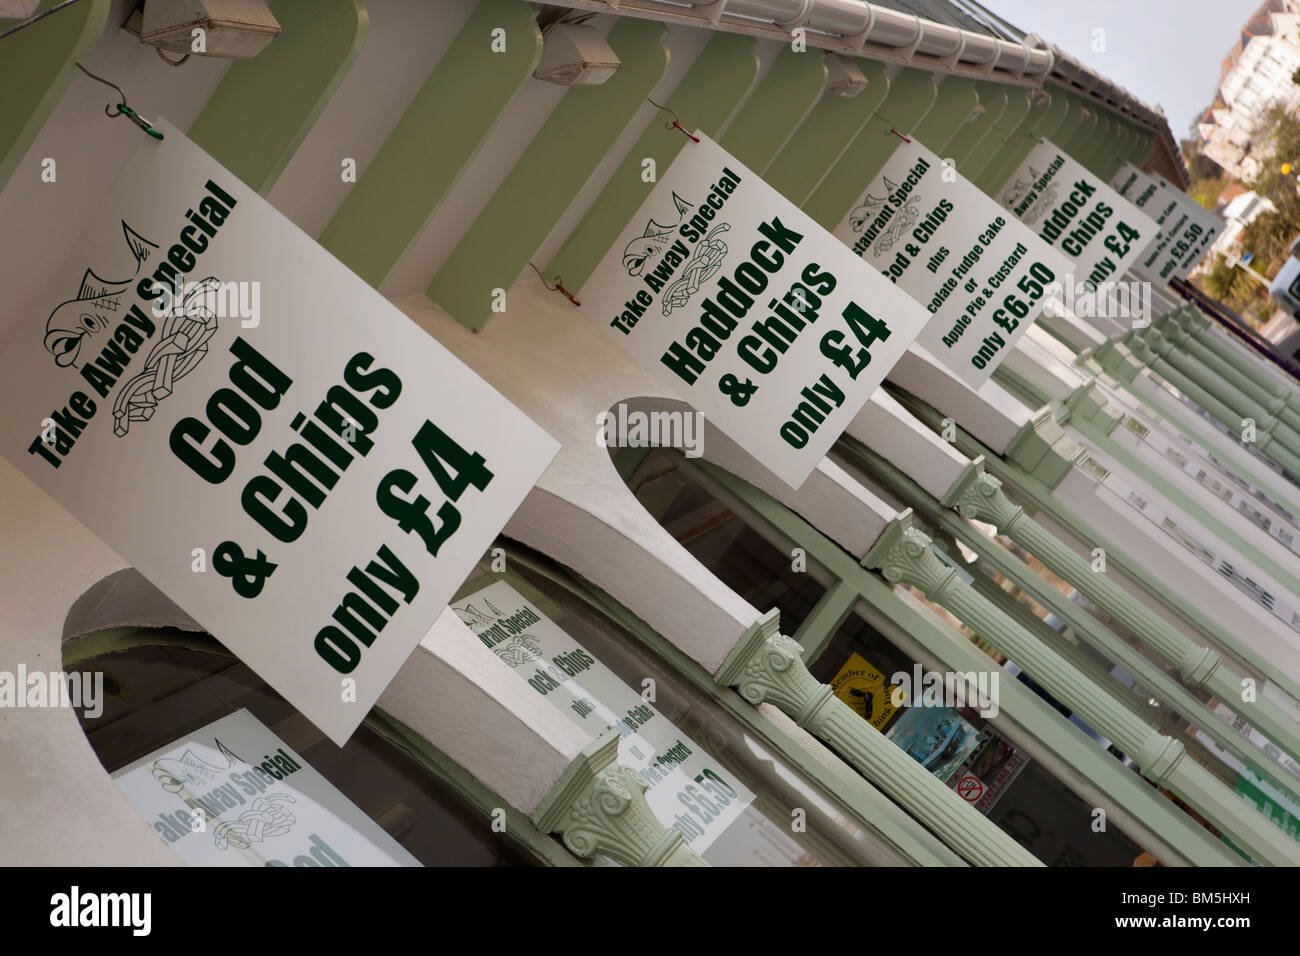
x: 1162, y: 51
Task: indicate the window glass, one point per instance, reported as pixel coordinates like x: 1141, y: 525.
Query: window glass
x: 763, y: 574
x: 161, y: 692
x: 735, y: 800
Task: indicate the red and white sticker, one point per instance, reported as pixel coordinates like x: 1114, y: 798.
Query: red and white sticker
x: 970, y: 788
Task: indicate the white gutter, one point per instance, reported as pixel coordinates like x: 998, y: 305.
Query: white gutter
x: 850, y: 26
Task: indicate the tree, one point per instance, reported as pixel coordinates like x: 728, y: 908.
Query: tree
x: 1267, y: 239
x: 1230, y: 285
x: 1271, y: 182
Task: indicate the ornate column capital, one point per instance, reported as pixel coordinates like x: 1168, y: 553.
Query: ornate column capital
x: 902, y: 553
x: 598, y: 806
x: 767, y: 666
x: 978, y: 495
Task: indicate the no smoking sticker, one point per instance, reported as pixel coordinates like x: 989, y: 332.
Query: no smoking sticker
x: 970, y: 788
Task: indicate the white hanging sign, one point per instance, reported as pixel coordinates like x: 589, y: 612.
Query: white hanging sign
x: 1075, y: 211
x: 983, y: 275
x: 234, y: 794
x: 756, y: 315
x: 301, y: 468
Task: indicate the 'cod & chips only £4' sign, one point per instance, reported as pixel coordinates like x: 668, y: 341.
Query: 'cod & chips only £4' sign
x: 310, y: 482
x: 756, y: 315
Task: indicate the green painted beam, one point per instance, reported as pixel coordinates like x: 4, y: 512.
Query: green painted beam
x: 36, y: 67
x: 1014, y: 116
x: 1141, y: 147
x: 778, y: 107
x: 552, y: 169
x: 715, y: 85
x: 437, y: 137
x: 911, y: 96
x: 1084, y: 129
x: 1121, y: 141
x: 824, y: 135
x: 1101, y: 140
x: 993, y: 103
x: 263, y: 108
x: 1045, y: 118
x: 952, y: 107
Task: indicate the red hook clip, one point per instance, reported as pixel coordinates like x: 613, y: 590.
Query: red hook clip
x: 558, y: 287
x: 676, y: 123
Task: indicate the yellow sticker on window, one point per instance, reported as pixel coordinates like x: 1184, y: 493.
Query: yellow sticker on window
x: 864, y: 689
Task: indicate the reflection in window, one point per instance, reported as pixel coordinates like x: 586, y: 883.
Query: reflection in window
x: 179, y: 683
x: 767, y: 812
x: 738, y: 556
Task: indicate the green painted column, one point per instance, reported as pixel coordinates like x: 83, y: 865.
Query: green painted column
x: 902, y: 554
x: 1013, y: 118
x: 715, y: 85
x: 824, y: 135
x: 552, y: 169
x: 1249, y: 364
x: 36, y: 67
x: 953, y: 652
x: 993, y: 103
x: 1037, y: 459
x: 1098, y: 431
x: 1178, y: 331
x: 1047, y: 116
x: 978, y: 496
x: 776, y: 110
x: 767, y: 667
x: 437, y: 137
x: 953, y: 104
x: 1227, y: 397
x: 911, y: 95
x: 1150, y: 674
x: 263, y: 108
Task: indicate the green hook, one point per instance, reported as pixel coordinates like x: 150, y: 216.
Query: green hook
x: 122, y: 108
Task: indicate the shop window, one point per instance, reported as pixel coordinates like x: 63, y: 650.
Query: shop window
x: 952, y: 739
x: 212, y: 801
x: 957, y: 743
x: 733, y: 798
x: 765, y: 575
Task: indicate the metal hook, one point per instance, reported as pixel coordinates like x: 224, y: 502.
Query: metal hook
x: 676, y: 123
x: 121, y: 109
x: 558, y: 287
